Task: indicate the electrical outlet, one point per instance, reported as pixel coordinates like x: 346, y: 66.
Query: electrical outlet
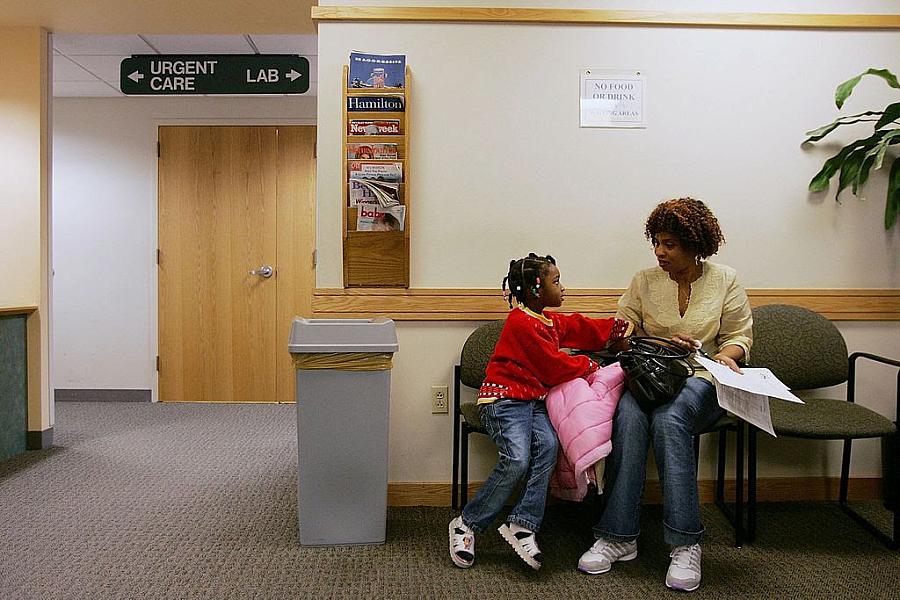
x: 439, y: 399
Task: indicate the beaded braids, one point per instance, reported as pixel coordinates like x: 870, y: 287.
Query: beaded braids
x: 525, y: 275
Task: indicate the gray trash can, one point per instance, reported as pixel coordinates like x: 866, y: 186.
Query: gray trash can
x: 343, y: 399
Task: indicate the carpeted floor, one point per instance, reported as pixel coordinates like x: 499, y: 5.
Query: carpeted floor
x: 199, y: 501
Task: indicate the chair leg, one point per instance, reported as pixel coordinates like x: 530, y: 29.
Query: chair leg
x: 720, y: 466
x: 845, y: 472
x: 739, y: 487
x: 734, y: 515
x: 751, y: 483
x: 457, y: 424
x: 464, y: 467
x: 891, y: 542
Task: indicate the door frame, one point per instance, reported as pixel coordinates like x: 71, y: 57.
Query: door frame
x: 307, y: 245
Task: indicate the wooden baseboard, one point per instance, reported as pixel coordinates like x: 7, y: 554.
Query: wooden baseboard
x: 769, y: 489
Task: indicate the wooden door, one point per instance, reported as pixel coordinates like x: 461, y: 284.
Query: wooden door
x: 222, y: 329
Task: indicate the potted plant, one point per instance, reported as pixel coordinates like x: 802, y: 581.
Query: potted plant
x: 857, y: 159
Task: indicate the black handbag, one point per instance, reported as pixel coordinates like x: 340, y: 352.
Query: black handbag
x: 655, y: 370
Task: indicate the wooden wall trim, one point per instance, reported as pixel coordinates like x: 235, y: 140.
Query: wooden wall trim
x: 604, y: 17
x: 486, y: 304
x: 17, y: 310
x: 768, y: 489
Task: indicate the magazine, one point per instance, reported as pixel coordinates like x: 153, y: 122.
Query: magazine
x: 372, y: 103
x: 376, y: 151
x: 376, y: 70
x: 360, y: 193
x: 382, y: 171
x: 371, y: 191
x: 379, y: 127
x: 372, y: 217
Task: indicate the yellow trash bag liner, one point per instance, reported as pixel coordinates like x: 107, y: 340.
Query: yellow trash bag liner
x: 344, y: 361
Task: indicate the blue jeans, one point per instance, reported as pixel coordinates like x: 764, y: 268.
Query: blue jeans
x: 527, y: 444
x: 671, y: 428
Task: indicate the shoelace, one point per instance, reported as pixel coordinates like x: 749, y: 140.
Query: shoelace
x: 608, y: 549
x: 687, y: 557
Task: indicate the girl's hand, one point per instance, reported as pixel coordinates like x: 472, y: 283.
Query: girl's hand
x: 685, y: 341
x: 728, y: 362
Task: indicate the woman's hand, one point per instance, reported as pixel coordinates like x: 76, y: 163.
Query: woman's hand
x: 729, y: 362
x: 685, y: 341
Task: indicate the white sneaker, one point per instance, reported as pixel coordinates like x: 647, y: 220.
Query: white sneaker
x: 600, y: 557
x: 462, y: 543
x: 523, y: 542
x: 684, y: 570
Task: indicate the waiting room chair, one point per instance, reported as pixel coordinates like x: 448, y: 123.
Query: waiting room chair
x: 473, y: 362
x: 806, y: 351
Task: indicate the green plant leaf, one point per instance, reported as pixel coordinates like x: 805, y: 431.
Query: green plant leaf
x: 891, y: 114
x: 889, y: 139
x: 892, y: 202
x: 850, y: 170
x: 844, y: 90
x: 819, y: 183
x: 864, y: 170
x: 817, y: 134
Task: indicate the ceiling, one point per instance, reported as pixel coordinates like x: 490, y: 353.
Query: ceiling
x: 88, y: 65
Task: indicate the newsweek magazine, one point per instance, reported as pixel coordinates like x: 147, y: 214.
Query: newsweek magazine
x: 371, y: 103
x: 376, y: 151
x: 372, y: 217
x: 377, y: 127
x: 376, y: 70
x: 382, y: 171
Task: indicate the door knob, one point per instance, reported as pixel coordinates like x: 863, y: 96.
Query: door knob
x: 265, y: 271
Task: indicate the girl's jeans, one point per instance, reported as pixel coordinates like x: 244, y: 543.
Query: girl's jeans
x: 527, y: 446
x: 671, y: 428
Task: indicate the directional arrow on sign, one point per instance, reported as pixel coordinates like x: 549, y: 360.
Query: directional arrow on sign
x: 185, y: 74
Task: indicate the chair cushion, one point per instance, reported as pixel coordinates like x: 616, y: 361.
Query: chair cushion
x: 477, y: 351
x: 472, y: 416
x: 823, y: 418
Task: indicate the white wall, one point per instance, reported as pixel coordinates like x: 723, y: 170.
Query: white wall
x: 499, y: 167
x: 104, y: 229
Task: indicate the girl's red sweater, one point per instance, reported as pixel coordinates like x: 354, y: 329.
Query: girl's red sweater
x: 527, y: 360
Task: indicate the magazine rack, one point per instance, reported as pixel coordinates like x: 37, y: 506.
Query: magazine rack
x: 376, y: 258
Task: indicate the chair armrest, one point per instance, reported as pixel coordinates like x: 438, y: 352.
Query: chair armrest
x: 851, y: 382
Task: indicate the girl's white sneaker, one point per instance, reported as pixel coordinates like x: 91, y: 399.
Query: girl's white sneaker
x: 462, y: 544
x: 523, y: 542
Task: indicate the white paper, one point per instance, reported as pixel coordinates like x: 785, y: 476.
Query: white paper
x: 757, y: 381
x: 753, y: 408
x: 747, y: 394
x: 613, y: 98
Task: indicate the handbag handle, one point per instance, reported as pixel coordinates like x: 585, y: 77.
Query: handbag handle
x: 662, y: 351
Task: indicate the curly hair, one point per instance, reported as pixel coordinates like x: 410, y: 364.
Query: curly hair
x: 689, y: 220
x: 524, y: 274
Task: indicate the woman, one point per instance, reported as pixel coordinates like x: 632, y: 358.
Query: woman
x: 692, y: 302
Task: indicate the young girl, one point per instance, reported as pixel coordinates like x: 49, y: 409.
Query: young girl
x: 526, y: 363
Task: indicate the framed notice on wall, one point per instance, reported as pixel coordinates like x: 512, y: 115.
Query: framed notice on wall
x: 613, y: 98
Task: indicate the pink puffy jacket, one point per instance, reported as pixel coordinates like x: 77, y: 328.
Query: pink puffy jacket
x: 581, y: 411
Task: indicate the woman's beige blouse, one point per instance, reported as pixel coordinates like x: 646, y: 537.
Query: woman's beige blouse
x: 718, y: 313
